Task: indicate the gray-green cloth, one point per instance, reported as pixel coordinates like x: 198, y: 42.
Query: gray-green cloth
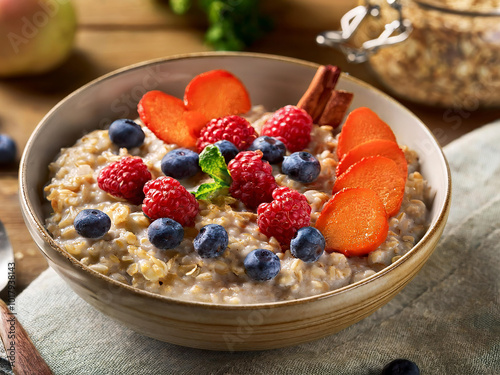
x: 447, y: 319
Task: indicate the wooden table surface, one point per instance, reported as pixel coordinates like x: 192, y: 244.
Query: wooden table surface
x: 116, y: 33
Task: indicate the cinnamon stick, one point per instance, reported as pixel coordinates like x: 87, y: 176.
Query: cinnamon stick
x: 336, y: 108
x: 319, y: 91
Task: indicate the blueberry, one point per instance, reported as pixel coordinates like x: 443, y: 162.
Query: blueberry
x: 180, y: 163
x: 212, y: 241
x: 8, y: 149
x: 262, y: 265
x: 401, y: 367
x: 273, y: 149
x: 308, y: 244
x: 92, y: 223
x: 227, y: 149
x: 165, y: 233
x: 126, y: 133
x: 301, y: 166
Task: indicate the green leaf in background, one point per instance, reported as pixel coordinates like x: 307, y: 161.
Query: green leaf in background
x: 232, y: 24
x: 205, y: 4
x: 180, y: 6
x: 212, y: 163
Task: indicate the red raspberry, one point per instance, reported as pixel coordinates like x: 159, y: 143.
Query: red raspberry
x: 166, y: 197
x: 284, y: 216
x: 234, y: 129
x: 125, y: 178
x: 291, y: 125
x: 253, y: 180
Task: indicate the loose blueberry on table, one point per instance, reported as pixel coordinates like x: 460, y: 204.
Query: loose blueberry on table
x: 8, y: 149
x: 401, y: 367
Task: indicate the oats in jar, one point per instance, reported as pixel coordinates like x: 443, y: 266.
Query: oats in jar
x: 451, y: 57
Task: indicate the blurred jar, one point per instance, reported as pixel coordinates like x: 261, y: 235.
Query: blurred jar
x: 451, y: 57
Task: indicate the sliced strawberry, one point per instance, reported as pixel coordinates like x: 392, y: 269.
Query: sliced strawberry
x: 380, y: 174
x: 377, y: 147
x: 353, y: 222
x: 216, y: 93
x: 195, y: 121
x: 166, y: 116
x: 362, y: 125
x: 213, y: 94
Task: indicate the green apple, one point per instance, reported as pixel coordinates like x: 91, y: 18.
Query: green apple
x: 35, y: 35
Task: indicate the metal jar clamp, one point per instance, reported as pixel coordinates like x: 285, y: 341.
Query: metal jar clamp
x: 395, y: 32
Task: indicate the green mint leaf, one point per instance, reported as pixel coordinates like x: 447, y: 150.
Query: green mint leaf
x: 212, y: 163
x: 210, y: 190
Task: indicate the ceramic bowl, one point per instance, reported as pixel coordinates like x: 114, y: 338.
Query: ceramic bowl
x: 273, y: 81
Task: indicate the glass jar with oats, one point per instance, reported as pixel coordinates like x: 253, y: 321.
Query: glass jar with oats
x: 450, y: 58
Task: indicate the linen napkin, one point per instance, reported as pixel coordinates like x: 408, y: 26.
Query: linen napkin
x: 447, y: 319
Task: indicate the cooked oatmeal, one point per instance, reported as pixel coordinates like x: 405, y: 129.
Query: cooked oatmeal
x: 126, y: 255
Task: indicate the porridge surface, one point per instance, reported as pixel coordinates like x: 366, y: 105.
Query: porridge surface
x: 126, y: 255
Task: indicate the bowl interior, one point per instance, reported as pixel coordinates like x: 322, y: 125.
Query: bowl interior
x: 272, y: 81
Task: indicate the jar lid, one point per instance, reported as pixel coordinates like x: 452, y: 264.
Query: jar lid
x: 465, y: 7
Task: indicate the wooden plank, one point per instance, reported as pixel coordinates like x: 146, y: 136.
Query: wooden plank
x: 121, y: 48
x: 131, y: 13
x: 317, y: 15
x: 288, y: 14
